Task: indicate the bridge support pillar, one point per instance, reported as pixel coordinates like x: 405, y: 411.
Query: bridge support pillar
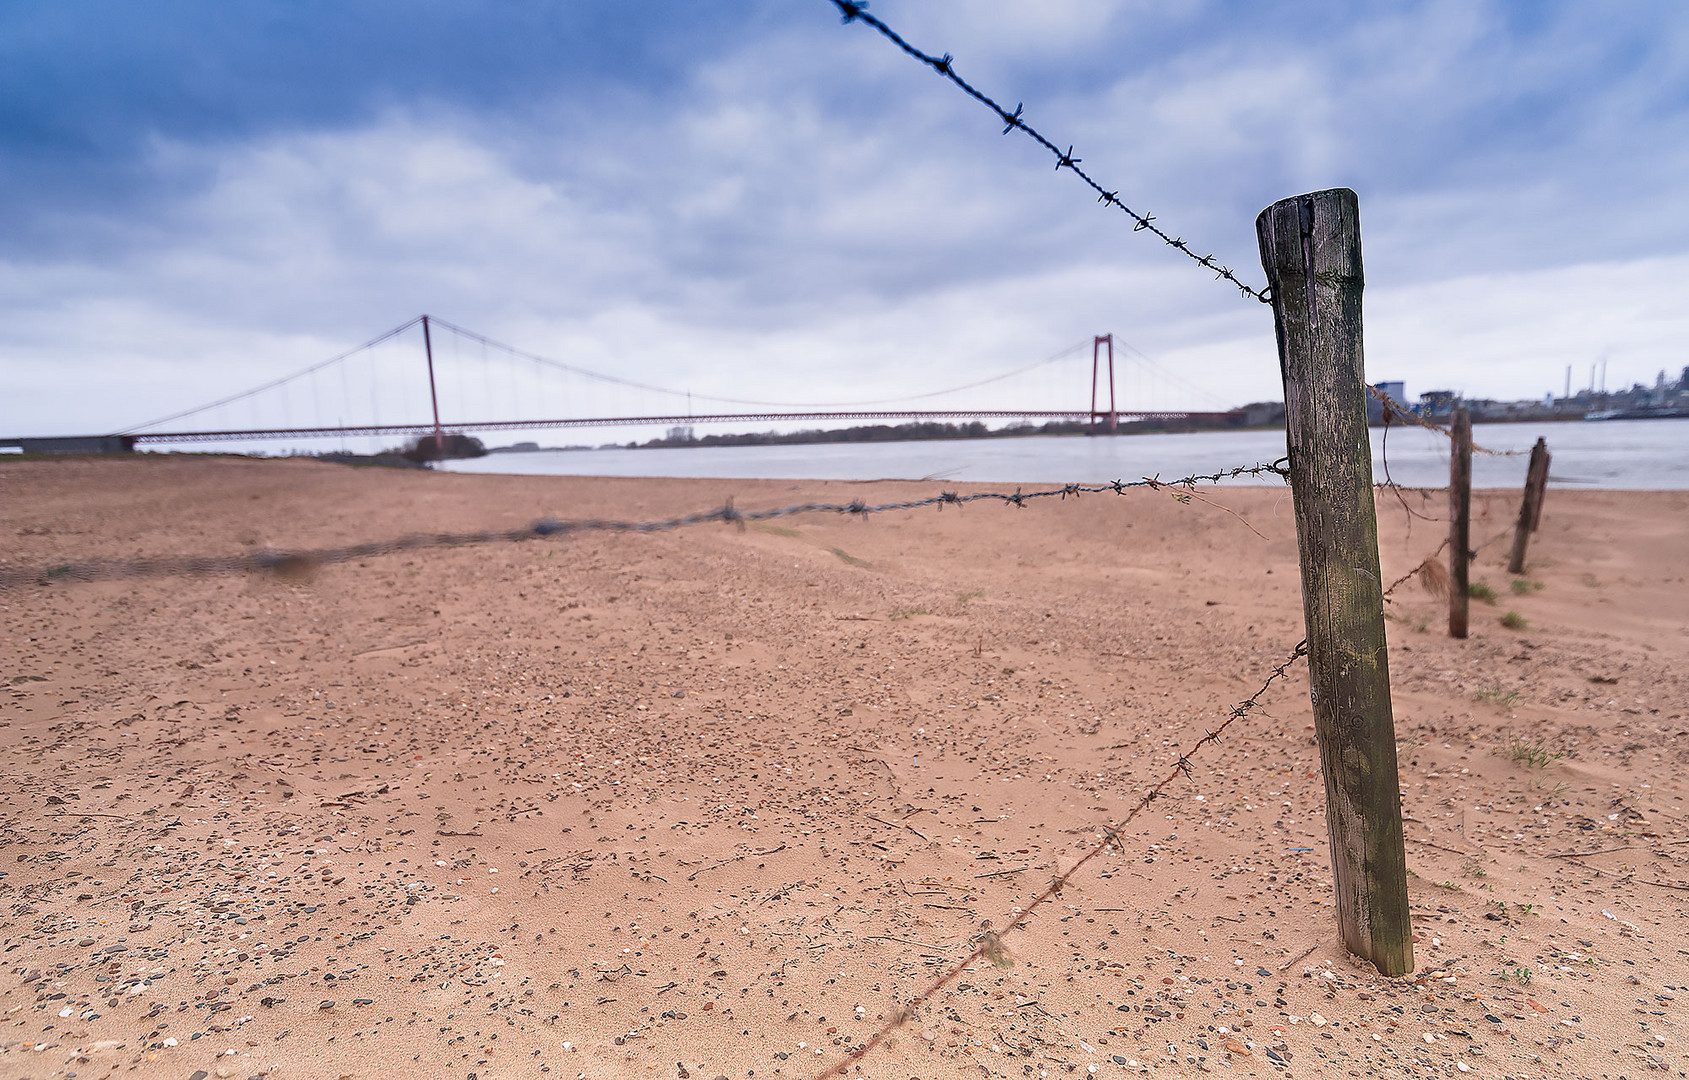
x: 1098, y: 343
x: 433, y: 394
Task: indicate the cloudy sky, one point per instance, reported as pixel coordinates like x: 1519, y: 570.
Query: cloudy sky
x: 749, y: 199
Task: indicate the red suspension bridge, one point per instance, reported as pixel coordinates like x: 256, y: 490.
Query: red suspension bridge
x: 455, y: 359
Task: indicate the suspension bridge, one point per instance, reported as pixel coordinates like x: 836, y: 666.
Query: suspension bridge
x: 488, y: 386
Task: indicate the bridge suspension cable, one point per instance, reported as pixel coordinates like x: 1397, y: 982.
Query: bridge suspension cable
x: 460, y: 357
x: 274, y: 384
x: 1183, y: 384
x: 600, y: 376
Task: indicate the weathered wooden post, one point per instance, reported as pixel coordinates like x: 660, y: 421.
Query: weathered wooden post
x: 1460, y: 519
x: 1530, y: 507
x: 1311, y: 249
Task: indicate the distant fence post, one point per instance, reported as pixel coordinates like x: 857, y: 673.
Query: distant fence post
x: 1460, y: 520
x: 1530, y: 508
x: 1311, y: 249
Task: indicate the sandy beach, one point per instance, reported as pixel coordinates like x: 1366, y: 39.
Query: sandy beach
x: 716, y: 802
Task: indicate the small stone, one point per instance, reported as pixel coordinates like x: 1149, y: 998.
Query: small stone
x: 1317, y: 1020
x: 199, y: 1074
x: 1236, y: 1047
x: 85, y: 942
x: 326, y: 1005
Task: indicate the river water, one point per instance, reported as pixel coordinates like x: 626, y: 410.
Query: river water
x: 1630, y: 454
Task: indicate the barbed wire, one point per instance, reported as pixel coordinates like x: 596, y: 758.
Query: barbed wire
x: 857, y: 11
x: 1394, y: 409
x: 300, y: 562
x: 1421, y: 570
x: 1436, y: 580
x: 989, y: 945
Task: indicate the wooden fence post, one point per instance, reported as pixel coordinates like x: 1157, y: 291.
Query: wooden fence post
x: 1311, y: 249
x: 1530, y: 507
x: 1460, y: 519
x: 1542, y: 481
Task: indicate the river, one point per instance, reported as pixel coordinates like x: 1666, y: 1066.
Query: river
x: 1627, y: 454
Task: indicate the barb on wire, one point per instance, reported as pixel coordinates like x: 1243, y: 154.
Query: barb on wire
x: 989, y: 946
x: 299, y: 562
x: 857, y: 11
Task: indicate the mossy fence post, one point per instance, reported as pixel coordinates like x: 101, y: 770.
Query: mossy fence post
x: 1311, y: 249
x: 1460, y: 520
x: 1530, y: 508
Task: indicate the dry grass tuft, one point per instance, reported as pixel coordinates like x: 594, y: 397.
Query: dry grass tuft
x: 294, y: 569
x: 1433, y: 577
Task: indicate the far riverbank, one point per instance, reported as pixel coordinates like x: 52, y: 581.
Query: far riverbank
x: 1638, y: 455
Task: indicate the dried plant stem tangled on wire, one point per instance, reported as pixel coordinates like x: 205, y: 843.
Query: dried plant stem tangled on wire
x: 857, y: 11
x: 989, y: 946
x: 294, y: 563
x: 1395, y: 410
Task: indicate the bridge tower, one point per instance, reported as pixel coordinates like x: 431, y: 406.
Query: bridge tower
x: 1097, y: 354
x: 433, y: 394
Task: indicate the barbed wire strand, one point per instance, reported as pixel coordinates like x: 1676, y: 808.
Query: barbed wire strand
x: 857, y: 11
x: 1431, y: 574
x: 297, y: 562
x: 1392, y: 407
x: 1420, y: 570
x: 989, y: 945
x: 1390, y: 481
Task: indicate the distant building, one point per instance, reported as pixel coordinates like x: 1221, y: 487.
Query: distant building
x: 1395, y: 391
x: 1438, y: 403
x: 1261, y: 413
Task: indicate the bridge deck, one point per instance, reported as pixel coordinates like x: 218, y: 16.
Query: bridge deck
x: 253, y: 434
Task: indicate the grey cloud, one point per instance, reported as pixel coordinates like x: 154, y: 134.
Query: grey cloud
x: 806, y: 214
